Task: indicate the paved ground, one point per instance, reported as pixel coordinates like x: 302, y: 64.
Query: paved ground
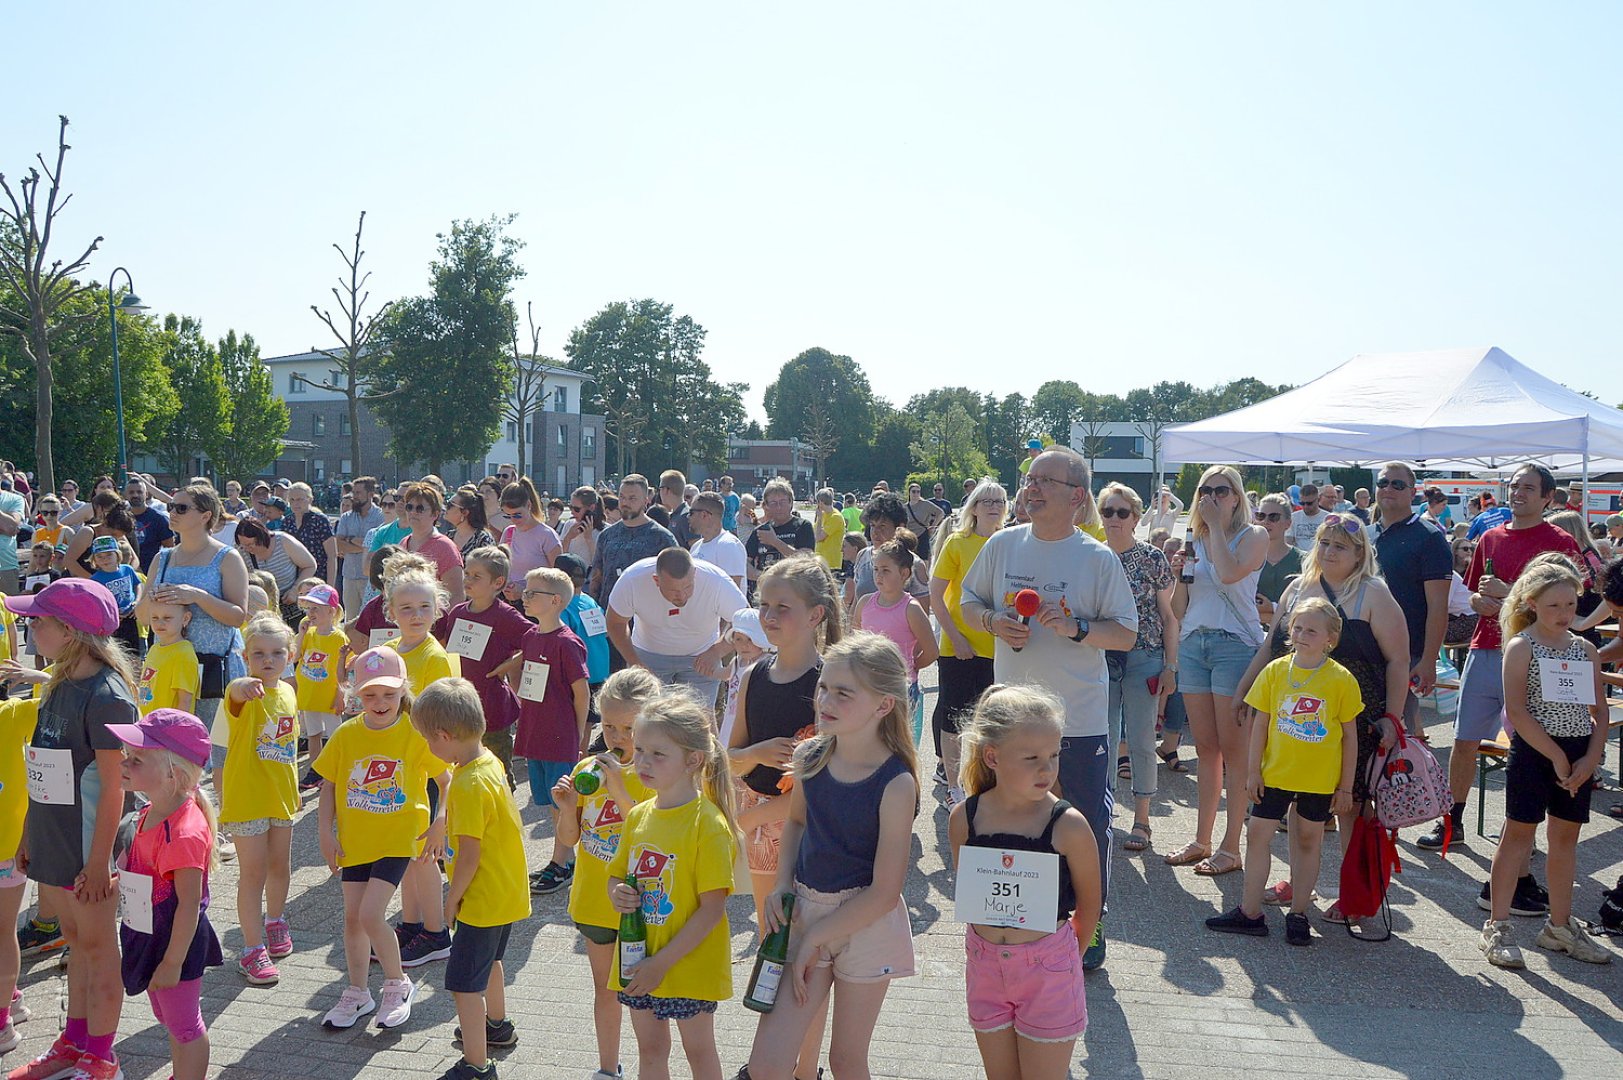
x: 1172, y: 1001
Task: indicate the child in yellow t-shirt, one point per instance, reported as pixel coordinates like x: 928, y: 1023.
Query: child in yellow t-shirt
x: 486, y: 862
x: 679, y: 847
x: 8, y: 634
x: 320, y: 687
x: 261, y: 794
x: 828, y: 529
x: 170, y: 676
x: 1303, y: 751
x: 16, y: 729
x: 594, y: 825
x: 374, y: 821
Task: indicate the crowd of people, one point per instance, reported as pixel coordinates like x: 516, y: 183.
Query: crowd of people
x: 708, y: 691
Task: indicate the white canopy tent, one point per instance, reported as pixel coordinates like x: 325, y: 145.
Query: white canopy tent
x: 1477, y: 408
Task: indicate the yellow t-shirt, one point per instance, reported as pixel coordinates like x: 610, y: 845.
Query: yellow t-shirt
x: 952, y: 563
x: 1305, y: 711
x: 480, y: 806
x: 17, y: 719
x: 427, y: 662
x: 382, y: 781
x: 169, y: 670
x: 1095, y: 531
x: 679, y: 854
x: 318, y: 669
x: 7, y: 621
x: 261, y: 757
x: 602, y: 826
x: 834, y: 535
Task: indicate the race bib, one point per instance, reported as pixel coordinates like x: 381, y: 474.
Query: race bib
x: 1567, y: 682
x: 379, y: 638
x: 592, y: 621
x: 1018, y: 889
x: 533, y: 686
x: 36, y: 582
x: 469, y: 639
x: 135, y: 900
x: 50, y: 776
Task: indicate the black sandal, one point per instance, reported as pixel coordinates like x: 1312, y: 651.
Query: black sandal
x: 1173, y: 762
x: 1124, y: 767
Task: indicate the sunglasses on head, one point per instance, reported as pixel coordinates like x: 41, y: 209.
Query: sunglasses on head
x: 1396, y: 485
x: 1273, y: 515
x: 1218, y: 491
x: 1122, y: 512
x: 1351, y: 524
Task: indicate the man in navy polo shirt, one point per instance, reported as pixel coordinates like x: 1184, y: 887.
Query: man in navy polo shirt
x: 1418, y: 568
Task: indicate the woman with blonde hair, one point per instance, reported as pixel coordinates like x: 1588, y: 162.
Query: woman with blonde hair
x: 1215, y: 601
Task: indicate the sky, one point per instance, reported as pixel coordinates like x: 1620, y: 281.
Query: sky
x: 988, y: 195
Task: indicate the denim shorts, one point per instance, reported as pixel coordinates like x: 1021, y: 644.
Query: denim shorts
x: 1212, y: 662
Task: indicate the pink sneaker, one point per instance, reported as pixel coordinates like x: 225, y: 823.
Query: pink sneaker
x: 60, y: 1061
x: 92, y: 1067
x: 257, y: 968
x: 278, y: 938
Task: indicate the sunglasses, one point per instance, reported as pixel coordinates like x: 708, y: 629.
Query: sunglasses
x: 1272, y: 516
x: 181, y: 508
x: 1220, y: 491
x: 388, y: 504
x: 1116, y: 512
x: 418, y: 508
x: 1396, y: 485
x: 50, y: 513
x: 1351, y: 524
x: 517, y: 515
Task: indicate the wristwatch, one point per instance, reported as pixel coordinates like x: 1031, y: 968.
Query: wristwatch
x: 1081, y: 630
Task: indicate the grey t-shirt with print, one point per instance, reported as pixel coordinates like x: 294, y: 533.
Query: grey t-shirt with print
x: 620, y: 546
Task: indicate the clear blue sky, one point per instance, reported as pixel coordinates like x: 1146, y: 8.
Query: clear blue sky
x: 953, y: 193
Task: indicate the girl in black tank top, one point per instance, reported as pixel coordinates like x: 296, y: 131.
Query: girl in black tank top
x: 775, y: 710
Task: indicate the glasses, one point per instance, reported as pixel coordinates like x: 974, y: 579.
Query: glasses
x: 1274, y: 516
x: 50, y: 513
x: 578, y: 511
x: 388, y: 504
x: 1395, y: 485
x: 1116, y: 512
x: 516, y: 515
x: 527, y: 593
x: 1219, y: 491
x: 1351, y: 524
x: 174, y: 508
x: 1048, y: 482
x: 993, y: 502
x: 418, y: 508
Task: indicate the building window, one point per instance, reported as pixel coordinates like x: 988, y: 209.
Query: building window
x: 345, y: 467
x: 560, y: 399
x: 512, y: 431
x: 563, y: 439
x: 343, y: 424
x: 295, y: 385
x: 588, y: 442
x: 319, y: 468
x: 335, y: 377
x: 318, y: 424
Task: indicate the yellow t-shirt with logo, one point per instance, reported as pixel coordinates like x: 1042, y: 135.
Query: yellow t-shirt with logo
x: 602, y: 827
x: 169, y: 670
x: 426, y: 663
x: 381, y: 778
x: 318, y: 669
x: 7, y: 621
x: 17, y: 719
x: 480, y: 806
x: 261, y: 757
x: 1306, y: 712
x: 677, y: 855
x: 952, y: 563
x: 828, y: 549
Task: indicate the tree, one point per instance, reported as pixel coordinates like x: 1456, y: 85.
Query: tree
x: 355, y: 333
x: 444, y: 371
x: 201, y: 419
x: 947, y: 449
x: 1007, y: 425
x: 529, y: 391
x: 894, y: 432
x: 1055, y: 406
x: 823, y: 399
x: 259, y: 419
x: 1097, y: 413
x: 1154, y: 408
x: 40, y: 288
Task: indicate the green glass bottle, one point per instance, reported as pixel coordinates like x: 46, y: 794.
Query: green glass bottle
x: 589, y: 779
x: 770, y: 961
x: 1487, y: 566
x: 633, y: 938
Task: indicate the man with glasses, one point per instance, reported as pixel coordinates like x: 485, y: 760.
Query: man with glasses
x: 672, y: 491
x: 1361, y: 507
x: 667, y: 613
x: 507, y: 474
x: 1510, y: 547
x: 634, y: 537
x: 70, y: 496
x: 715, y: 544
x: 782, y: 533
x: 1086, y: 608
x: 349, y: 538
x: 1419, y: 569
x: 152, y: 533
x: 1306, y: 521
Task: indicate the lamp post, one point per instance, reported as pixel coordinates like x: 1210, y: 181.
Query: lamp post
x: 132, y: 305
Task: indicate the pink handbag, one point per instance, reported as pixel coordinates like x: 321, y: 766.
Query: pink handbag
x: 1409, y: 787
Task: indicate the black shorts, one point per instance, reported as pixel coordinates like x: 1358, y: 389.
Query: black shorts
x: 598, y: 935
x: 1310, y: 806
x: 474, y: 951
x: 1531, y: 789
x: 391, y: 870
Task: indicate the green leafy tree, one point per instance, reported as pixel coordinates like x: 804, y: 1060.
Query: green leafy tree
x: 823, y: 399
x: 894, y: 432
x: 1057, y: 405
x: 447, y: 367
x: 259, y: 419
x: 201, y: 420
x: 1005, y: 425
x: 948, y: 449
x: 1152, y: 409
x: 1097, y: 413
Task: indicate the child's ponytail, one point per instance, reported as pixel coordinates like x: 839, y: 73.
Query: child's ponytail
x: 521, y: 492
x: 1000, y: 711
x: 805, y: 574
x: 188, y: 780
x: 1545, y: 571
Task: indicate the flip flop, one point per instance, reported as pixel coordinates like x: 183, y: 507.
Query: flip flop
x: 1124, y: 767
x: 1218, y: 864
x: 1189, y: 854
x: 1138, y: 838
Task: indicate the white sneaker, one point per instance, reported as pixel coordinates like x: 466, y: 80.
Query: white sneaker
x: 615, y: 1075
x: 9, y: 1039
x: 355, y: 1003
x: 1573, y: 940
x: 397, y: 996
x: 1496, y: 946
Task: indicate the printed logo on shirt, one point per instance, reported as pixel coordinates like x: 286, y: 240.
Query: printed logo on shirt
x: 147, y: 675
x: 314, y: 665
x: 601, y: 836
x: 652, y: 867
x: 374, y: 786
x: 1301, y: 718
x: 278, y: 740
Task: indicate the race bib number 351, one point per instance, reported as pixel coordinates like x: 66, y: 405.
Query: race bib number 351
x: 1018, y: 889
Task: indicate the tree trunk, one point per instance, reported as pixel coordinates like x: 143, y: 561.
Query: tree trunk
x: 354, y: 434
x: 44, y: 462
x: 523, y: 441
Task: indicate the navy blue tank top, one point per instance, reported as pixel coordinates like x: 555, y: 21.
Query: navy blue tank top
x: 1043, y: 844
x: 842, y: 828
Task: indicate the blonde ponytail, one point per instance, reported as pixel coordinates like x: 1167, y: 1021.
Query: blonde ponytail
x: 1544, y: 572
x: 1001, y: 711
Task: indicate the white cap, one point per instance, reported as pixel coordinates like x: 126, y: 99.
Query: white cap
x: 747, y: 621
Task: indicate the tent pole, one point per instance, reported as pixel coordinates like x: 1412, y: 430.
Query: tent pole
x: 1583, y: 501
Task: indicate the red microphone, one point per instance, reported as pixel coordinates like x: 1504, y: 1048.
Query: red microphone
x: 1026, y: 603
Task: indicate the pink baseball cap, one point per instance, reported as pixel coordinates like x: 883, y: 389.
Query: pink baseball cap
x: 168, y: 729
x: 321, y: 596
x: 379, y: 667
x: 85, y: 605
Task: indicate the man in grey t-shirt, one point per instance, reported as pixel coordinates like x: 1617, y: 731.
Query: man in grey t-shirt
x: 1306, y: 521
x: 349, y: 538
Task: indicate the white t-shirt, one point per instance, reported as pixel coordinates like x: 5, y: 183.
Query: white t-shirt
x: 660, y: 627
x: 1087, y: 580
x: 725, y: 551
x: 1305, y: 529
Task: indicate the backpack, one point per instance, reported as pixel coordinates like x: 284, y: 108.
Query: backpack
x: 1367, y: 866
x: 1408, y: 786
x: 1611, y: 909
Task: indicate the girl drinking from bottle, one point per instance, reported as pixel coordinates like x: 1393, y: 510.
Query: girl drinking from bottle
x: 679, y: 845
x: 844, y: 858
x: 594, y: 824
x: 1026, y: 1001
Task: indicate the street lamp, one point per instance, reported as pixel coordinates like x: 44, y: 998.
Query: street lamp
x: 132, y: 305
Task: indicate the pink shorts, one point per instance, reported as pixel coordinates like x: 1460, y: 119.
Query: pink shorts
x: 178, y: 1009
x: 11, y: 875
x: 762, y: 842
x: 879, y: 951
x: 1036, y: 988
